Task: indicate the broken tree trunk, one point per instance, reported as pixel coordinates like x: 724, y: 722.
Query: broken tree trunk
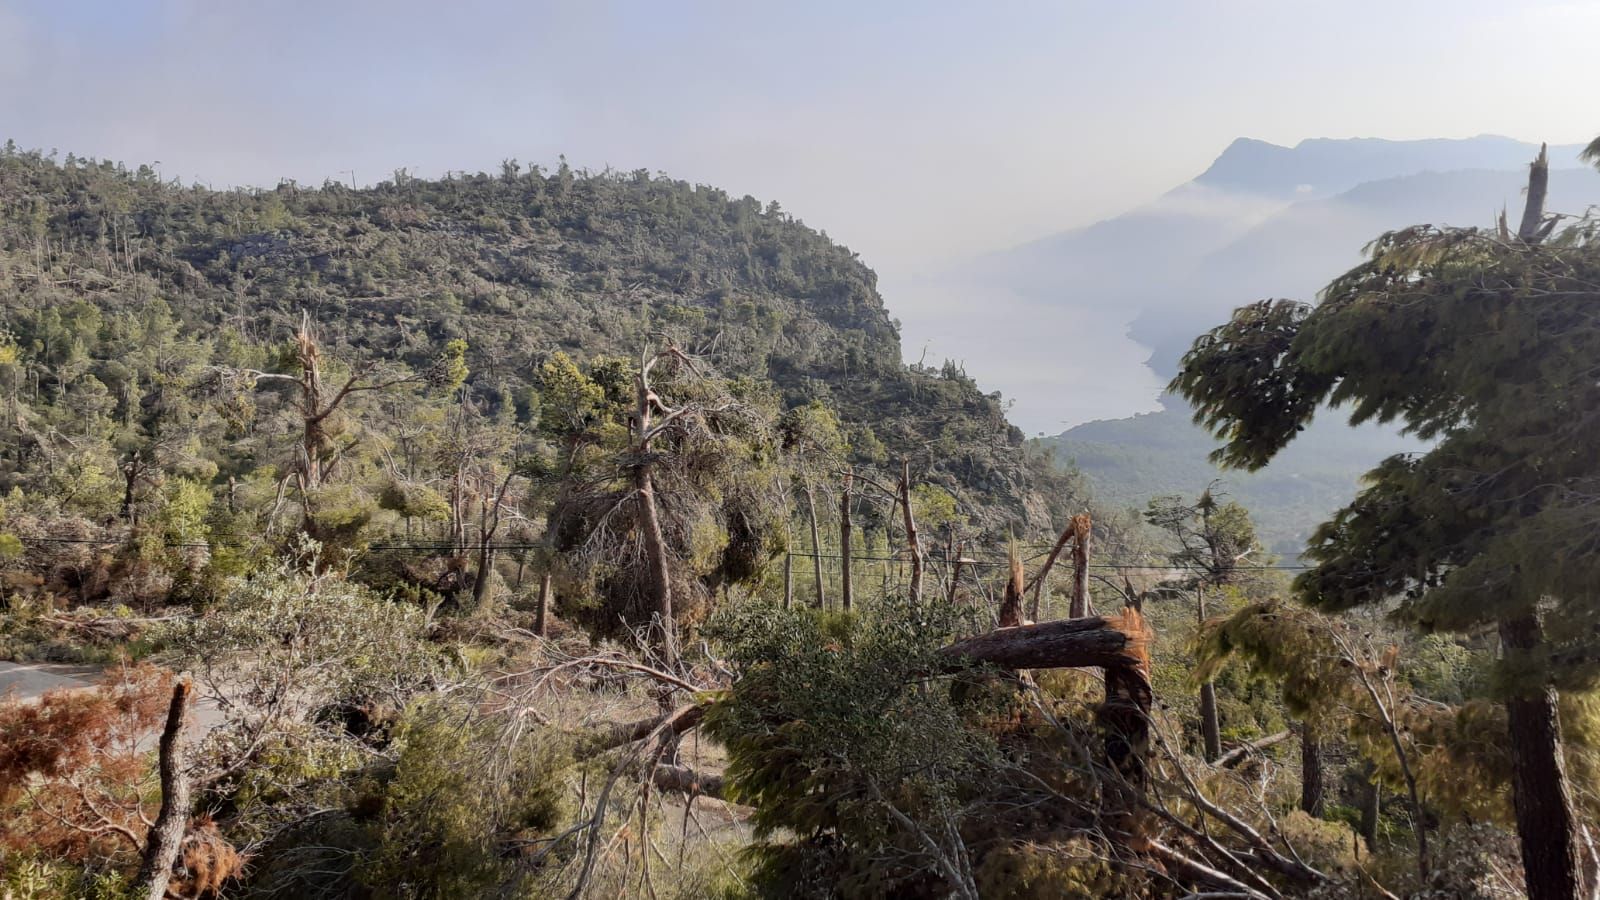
x: 685, y: 780
x: 1124, y: 719
x: 1093, y: 642
x: 1011, y: 605
x: 1080, y: 568
x: 541, y: 619
x: 166, y: 836
x: 1531, y: 230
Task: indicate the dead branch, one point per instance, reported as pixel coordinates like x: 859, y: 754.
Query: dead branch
x: 1242, y: 752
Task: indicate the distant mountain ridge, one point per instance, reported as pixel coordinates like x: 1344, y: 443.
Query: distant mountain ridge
x: 1113, y: 304
x: 1323, y: 166
x: 1261, y: 221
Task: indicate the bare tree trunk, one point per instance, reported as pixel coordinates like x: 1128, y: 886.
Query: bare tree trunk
x: 955, y: 572
x: 1311, y: 787
x: 1210, y: 727
x: 166, y: 836
x: 912, y: 542
x: 1210, y: 733
x: 541, y: 617
x: 655, y: 542
x: 480, y: 580
x: 846, y: 594
x: 1080, y: 568
x: 816, y: 545
x: 1369, y: 807
x: 660, y: 577
x: 788, y: 577
x: 1547, y: 824
x: 1124, y: 720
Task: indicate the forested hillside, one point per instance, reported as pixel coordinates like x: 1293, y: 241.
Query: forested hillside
x: 1126, y: 462
x: 557, y: 535
x: 120, y: 290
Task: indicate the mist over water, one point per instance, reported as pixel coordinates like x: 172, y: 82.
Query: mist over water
x: 1058, y: 364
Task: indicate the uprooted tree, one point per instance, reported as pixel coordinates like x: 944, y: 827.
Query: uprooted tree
x: 668, y: 486
x: 904, y: 757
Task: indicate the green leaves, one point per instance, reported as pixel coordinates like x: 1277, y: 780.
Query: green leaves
x: 1247, y: 385
x: 1485, y: 345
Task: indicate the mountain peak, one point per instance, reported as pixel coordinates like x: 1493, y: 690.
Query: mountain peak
x: 1323, y: 166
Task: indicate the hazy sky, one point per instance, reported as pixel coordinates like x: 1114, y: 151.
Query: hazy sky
x: 915, y: 132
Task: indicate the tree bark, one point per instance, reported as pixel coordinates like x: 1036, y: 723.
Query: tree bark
x: 1210, y: 727
x: 660, y: 578
x: 1081, y: 606
x: 846, y: 594
x: 541, y: 618
x: 1011, y: 604
x: 1124, y: 720
x: 1547, y: 824
x: 480, y: 580
x: 1210, y: 732
x: 1369, y: 806
x: 912, y: 542
x: 1065, y: 643
x: 166, y: 836
x: 1311, y: 786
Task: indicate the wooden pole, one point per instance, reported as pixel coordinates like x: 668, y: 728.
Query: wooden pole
x: 846, y: 594
x: 816, y: 545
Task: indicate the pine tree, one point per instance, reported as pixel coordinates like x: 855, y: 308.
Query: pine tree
x: 1483, y: 341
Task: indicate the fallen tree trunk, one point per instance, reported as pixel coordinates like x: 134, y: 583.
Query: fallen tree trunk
x: 1093, y: 641
x: 685, y: 780
x: 676, y: 722
x: 1110, y: 643
x: 1238, y: 754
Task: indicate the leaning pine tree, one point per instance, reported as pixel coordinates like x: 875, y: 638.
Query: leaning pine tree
x: 1486, y: 342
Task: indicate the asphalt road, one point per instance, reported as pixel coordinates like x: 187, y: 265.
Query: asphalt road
x: 29, y: 681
